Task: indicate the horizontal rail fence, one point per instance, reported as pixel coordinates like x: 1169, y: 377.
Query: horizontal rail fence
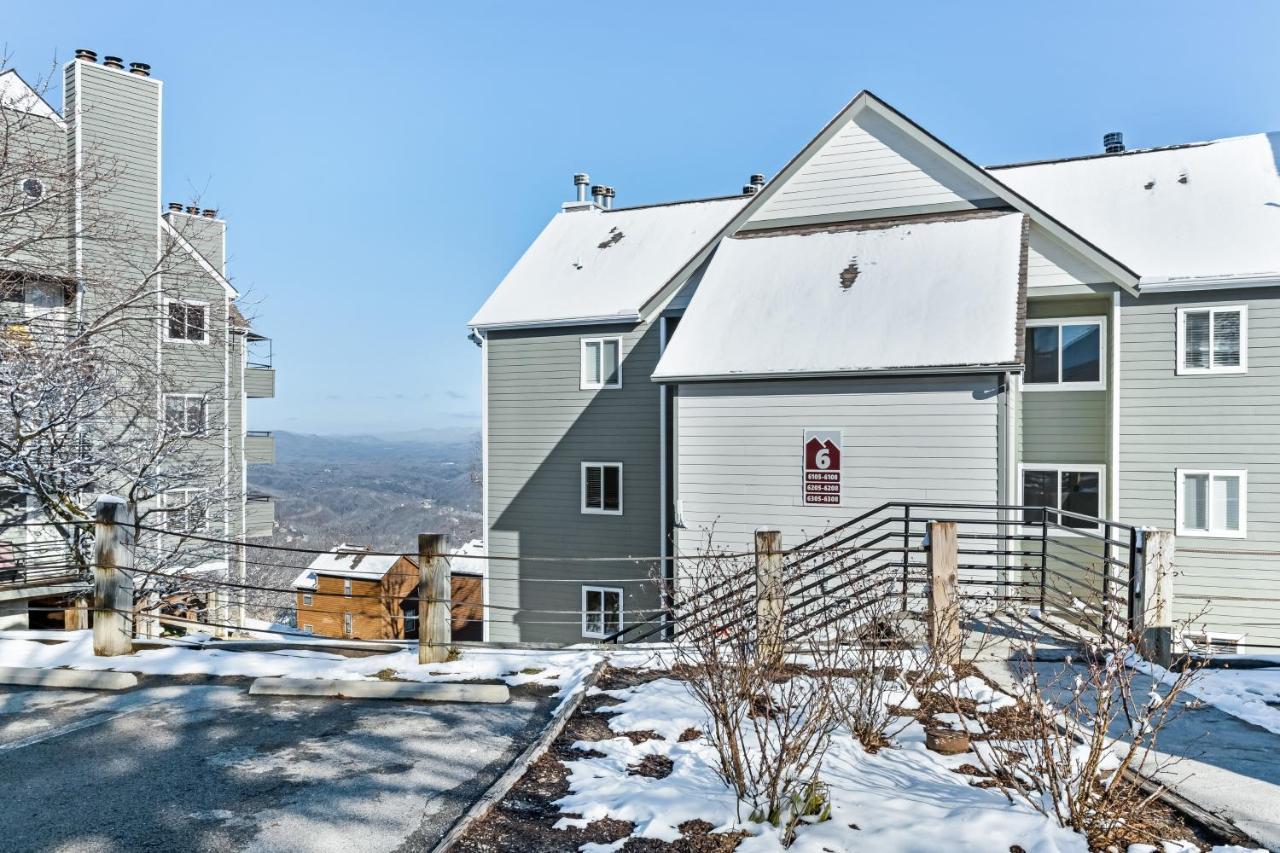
x: 1064, y: 564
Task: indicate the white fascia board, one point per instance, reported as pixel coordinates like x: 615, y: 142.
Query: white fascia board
x: 1226, y: 282
x: 945, y: 370
x: 200, y: 259
x: 612, y: 319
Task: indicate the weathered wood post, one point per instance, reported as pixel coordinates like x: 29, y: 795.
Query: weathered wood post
x: 770, y: 593
x: 434, y: 598
x: 1153, y: 596
x: 944, y: 600
x: 112, y: 583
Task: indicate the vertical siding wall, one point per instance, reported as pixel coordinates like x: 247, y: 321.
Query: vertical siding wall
x: 541, y: 428
x: 739, y: 451
x: 1225, y: 421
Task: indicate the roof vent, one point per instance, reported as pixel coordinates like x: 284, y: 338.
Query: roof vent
x: 142, y: 69
x: 750, y: 189
x: 1113, y: 142
x: 86, y: 54
x: 597, y: 194
x: 757, y: 180
x: 175, y: 206
x: 193, y: 210
x: 113, y: 62
x: 608, y: 198
x: 580, y: 182
x: 209, y: 213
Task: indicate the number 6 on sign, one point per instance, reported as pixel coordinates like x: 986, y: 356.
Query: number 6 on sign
x: 821, y: 466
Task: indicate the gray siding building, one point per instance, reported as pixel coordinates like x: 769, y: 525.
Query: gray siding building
x: 1094, y: 334
x: 182, y: 323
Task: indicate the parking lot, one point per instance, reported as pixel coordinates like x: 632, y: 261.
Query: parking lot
x: 200, y: 765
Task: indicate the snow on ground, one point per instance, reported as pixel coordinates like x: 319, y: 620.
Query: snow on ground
x: 564, y: 670
x: 1253, y: 695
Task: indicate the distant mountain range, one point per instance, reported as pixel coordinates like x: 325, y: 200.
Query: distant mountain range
x: 379, y: 490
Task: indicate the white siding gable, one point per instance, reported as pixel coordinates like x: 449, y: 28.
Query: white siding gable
x: 1050, y: 263
x: 869, y: 167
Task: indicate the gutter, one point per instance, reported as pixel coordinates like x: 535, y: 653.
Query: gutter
x: 553, y: 324
x: 852, y: 373
x: 1174, y: 284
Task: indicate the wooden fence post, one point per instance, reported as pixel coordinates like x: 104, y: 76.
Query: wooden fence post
x: 770, y: 594
x: 1153, y: 597
x: 434, y: 598
x: 944, y: 600
x: 112, y: 583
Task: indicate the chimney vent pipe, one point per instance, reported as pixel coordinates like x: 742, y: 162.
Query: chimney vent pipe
x: 608, y: 198
x: 209, y: 213
x: 1113, y: 142
x: 193, y: 210
x: 757, y: 180
x: 86, y: 54
x: 142, y: 69
x: 113, y: 62
x: 597, y: 194
x: 580, y: 181
x: 175, y: 206
x: 750, y: 189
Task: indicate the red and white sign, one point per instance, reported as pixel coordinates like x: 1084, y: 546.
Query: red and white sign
x: 822, y: 448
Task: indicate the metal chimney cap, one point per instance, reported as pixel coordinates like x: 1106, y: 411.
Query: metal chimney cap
x: 175, y: 206
x: 193, y: 210
x: 86, y: 54
x: 609, y: 193
x: 113, y: 62
x: 581, y: 178
x: 142, y: 69
x: 1113, y: 142
x: 597, y: 189
x: 209, y: 213
x: 757, y: 180
x: 750, y: 189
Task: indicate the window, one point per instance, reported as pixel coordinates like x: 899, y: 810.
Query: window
x: 1211, y: 503
x: 346, y: 587
x: 185, y: 321
x: 184, y: 510
x: 1067, y: 353
x: 1075, y: 488
x: 1213, y: 340
x: 185, y: 414
x: 601, y: 611
x: 307, y: 629
x: 346, y: 624
x: 602, y: 488
x: 601, y: 363
x: 306, y: 598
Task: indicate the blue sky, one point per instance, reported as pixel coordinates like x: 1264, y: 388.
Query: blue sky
x: 382, y: 165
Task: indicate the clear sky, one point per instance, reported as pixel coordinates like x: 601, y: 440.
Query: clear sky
x: 381, y: 165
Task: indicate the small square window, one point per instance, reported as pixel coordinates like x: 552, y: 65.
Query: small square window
x: 1213, y: 340
x: 601, y: 611
x: 1074, y: 489
x: 1065, y: 354
x: 602, y: 488
x: 346, y: 587
x: 306, y: 599
x: 601, y: 363
x: 185, y: 321
x: 185, y: 414
x: 1211, y: 503
x: 185, y: 510
x: 307, y: 629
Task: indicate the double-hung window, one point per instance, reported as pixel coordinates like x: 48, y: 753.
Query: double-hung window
x: 346, y: 625
x: 601, y: 611
x: 1073, y: 488
x: 601, y: 363
x: 1066, y: 354
x: 185, y: 414
x: 184, y: 510
x: 186, y: 321
x: 1213, y: 340
x: 1211, y: 503
x: 602, y: 488
x: 307, y: 599
x: 346, y: 587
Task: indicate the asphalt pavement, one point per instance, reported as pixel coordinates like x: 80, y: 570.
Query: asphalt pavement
x: 206, y: 767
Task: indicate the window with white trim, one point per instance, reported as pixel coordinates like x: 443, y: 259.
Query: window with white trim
x: 1213, y: 340
x: 601, y: 611
x: 1074, y: 488
x: 308, y: 629
x: 346, y: 587
x: 306, y: 598
x: 346, y: 625
x: 184, y: 510
x: 601, y: 363
x: 1212, y: 503
x: 185, y: 414
x: 602, y: 488
x: 1066, y: 353
x: 186, y: 321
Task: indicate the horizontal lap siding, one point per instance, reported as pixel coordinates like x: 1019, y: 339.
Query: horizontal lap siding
x: 739, y: 451
x: 541, y: 428
x: 1227, y: 421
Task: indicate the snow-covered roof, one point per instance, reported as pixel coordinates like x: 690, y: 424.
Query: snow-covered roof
x: 1206, y: 210
x: 346, y: 561
x: 465, y: 565
x: 940, y: 293
x: 593, y: 265
x: 15, y: 94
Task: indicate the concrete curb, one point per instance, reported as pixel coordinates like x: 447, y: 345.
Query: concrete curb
x: 516, y: 771
x: 82, y: 679
x: 421, y: 691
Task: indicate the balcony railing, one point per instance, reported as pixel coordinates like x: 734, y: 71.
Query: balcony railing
x: 259, y: 516
x: 259, y: 447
